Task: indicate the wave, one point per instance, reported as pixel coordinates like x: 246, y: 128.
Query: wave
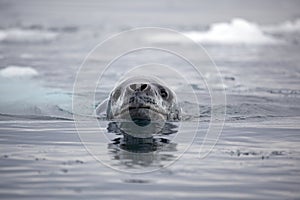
x: 18, y: 71
x: 237, y: 31
x: 26, y: 35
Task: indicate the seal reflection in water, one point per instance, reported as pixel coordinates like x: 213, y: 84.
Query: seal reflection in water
x: 133, y: 151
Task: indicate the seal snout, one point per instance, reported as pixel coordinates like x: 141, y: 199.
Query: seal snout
x: 141, y: 96
x: 138, y: 100
x: 139, y: 107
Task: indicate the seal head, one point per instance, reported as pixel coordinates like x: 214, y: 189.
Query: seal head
x: 142, y: 100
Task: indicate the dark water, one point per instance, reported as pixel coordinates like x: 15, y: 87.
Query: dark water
x: 42, y: 45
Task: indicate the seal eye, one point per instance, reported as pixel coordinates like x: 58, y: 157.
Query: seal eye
x: 163, y: 93
x: 116, y: 94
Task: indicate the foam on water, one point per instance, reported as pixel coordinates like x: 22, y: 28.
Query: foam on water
x: 26, y: 35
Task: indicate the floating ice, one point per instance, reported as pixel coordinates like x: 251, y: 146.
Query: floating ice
x: 17, y: 71
x: 288, y: 26
x: 237, y: 31
x: 23, y: 96
x: 26, y: 35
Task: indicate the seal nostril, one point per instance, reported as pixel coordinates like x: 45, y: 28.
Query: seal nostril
x: 143, y: 87
x: 132, y: 86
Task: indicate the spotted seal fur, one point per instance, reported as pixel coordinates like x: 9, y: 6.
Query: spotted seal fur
x: 142, y: 99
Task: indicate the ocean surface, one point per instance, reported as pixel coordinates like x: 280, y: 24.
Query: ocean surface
x: 255, y: 47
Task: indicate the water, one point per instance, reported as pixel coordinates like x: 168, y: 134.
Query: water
x: 45, y: 159
x: 42, y: 45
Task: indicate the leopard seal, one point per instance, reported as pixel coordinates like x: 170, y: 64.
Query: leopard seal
x: 143, y: 98
x: 141, y: 105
